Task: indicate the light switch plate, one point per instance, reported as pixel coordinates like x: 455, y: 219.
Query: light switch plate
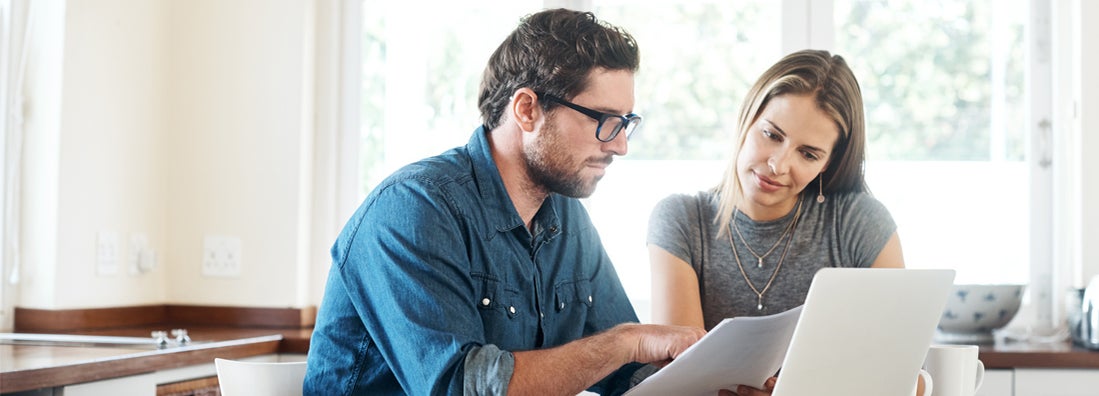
x: 142, y: 258
x: 106, y: 253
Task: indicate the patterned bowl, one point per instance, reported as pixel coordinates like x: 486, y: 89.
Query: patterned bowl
x: 973, y: 311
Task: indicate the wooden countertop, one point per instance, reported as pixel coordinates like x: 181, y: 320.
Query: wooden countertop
x: 28, y: 367
x: 1061, y: 354
x: 215, y: 332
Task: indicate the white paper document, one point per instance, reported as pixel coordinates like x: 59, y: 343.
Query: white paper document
x: 742, y: 350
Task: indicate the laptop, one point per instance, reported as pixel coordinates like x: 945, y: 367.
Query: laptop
x: 864, y: 331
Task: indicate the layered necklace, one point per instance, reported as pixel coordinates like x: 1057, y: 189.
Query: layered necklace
x: 787, y: 234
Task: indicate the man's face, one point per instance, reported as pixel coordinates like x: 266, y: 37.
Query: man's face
x: 564, y: 156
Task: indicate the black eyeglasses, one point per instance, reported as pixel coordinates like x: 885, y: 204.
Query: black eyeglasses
x: 613, y: 123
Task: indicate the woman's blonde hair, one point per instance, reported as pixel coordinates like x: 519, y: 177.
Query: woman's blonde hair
x: 828, y: 78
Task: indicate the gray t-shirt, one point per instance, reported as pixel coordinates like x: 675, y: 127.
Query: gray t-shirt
x: 847, y: 230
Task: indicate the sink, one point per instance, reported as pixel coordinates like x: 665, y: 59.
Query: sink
x: 158, y: 341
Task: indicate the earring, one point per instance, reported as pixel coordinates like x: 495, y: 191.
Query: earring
x: 820, y: 193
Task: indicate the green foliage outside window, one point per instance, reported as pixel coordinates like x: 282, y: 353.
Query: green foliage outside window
x: 932, y: 74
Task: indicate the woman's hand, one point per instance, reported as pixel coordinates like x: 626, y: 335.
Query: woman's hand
x: 745, y: 390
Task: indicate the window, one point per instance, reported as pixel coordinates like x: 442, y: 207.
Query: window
x: 945, y: 126
x: 948, y: 149
x: 422, y: 66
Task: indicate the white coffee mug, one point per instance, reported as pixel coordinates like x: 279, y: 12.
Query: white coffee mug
x: 928, y: 384
x: 955, y: 369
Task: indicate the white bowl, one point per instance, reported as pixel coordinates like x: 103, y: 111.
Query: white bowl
x: 973, y: 311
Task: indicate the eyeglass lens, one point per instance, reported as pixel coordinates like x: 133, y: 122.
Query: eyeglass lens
x: 612, y: 125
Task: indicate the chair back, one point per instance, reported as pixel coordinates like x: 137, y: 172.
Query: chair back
x: 240, y: 378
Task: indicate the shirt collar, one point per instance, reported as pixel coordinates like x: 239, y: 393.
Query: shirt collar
x: 494, y: 197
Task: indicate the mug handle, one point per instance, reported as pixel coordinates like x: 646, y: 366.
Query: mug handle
x: 980, y: 375
x: 928, y: 383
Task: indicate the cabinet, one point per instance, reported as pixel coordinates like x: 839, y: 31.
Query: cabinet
x: 142, y: 384
x: 1056, y: 382
x: 998, y: 382
x: 195, y: 387
x: 1040, y: 382
x: 195, y: 380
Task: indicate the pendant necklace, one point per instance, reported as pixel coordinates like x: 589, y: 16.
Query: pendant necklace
x: 759, y: 258
x: 759, y: 293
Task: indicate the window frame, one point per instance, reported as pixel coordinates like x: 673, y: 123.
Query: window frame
x: 9, y: 225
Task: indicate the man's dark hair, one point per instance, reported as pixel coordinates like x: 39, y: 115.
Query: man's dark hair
x: 552, y: 51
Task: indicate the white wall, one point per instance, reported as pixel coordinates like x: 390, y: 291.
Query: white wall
x: 239, y: 155
x: 112, y: 136
x: 175, y: 119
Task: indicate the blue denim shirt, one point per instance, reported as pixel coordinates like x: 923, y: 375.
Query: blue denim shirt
x: 435, y: 279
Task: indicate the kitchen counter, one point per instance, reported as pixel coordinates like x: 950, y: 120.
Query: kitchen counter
x: 215, y: 332
x: 36, y: 366
x: 1061, y: 354
x: 25, y: 367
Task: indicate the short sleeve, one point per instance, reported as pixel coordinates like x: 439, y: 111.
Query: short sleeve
x: 866, y: 227
x: 673, y: 224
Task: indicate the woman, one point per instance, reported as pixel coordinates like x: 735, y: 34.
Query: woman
x: 793, y: 200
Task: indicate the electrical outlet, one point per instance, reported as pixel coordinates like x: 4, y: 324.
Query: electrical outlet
x: 221, y: 256
x: 106, y: 253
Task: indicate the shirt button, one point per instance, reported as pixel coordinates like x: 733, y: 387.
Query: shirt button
x: 486, y: 301
x: 561, y: 306
x: 511, y: 309
x: 553, y: 229
x: 541, y: 315
x: 589, y: 299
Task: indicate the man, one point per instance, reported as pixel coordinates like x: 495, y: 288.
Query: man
x: 478, y: 271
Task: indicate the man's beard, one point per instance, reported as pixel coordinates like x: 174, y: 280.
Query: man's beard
x: 548, y: 163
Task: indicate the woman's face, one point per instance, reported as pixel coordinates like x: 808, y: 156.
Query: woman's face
x: 788, y: 146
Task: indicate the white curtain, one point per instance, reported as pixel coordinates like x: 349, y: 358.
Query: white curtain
x: 15, y: 21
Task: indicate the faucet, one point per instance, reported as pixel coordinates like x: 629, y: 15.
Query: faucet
x: 181, y: 336
x: 160, y: 338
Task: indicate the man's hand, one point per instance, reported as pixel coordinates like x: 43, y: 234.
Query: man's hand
x: 570, y: 368
x: 659, y: 344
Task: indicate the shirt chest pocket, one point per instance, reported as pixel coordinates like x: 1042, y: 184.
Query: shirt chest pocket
x: 571, y: 295
x: 500, y: 313
x: 492, y: 297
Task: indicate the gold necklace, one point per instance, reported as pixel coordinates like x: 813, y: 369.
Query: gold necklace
x: 759, y: 258
x: 736, y: 255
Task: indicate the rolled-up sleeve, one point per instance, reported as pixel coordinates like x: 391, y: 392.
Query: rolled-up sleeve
x: 488, y: 371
